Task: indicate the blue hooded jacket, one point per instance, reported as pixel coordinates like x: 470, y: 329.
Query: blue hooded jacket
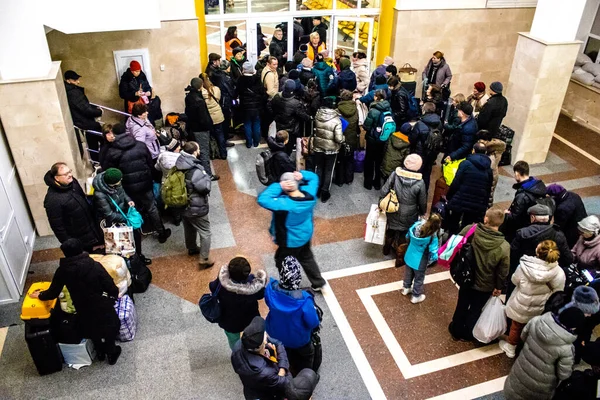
x: 292, y: 315
x: 292, y: 223
x: 416, y: 248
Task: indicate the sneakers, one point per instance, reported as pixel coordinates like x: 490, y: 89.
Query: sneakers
x: 417, y: 299
x: 112, y: 358
x: 406, y: 291
x: 206, y: 263
x: 164, y: 235
x: 318, y: 288
x: 507, y: 348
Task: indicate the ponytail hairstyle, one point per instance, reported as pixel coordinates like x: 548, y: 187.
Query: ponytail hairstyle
x: 207, y: 84
x: 432, y: 225
x: 548, y: 251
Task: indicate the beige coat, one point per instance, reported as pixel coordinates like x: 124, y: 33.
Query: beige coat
x: 361, y: 69
x: 535, y: 281
x: 494, y: 149
x: 477, y: 103
x: 270, y: 81
x: 212, y: 103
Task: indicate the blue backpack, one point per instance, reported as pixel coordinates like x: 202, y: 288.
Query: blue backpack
x: 413, y: 107
x: 385, y: 127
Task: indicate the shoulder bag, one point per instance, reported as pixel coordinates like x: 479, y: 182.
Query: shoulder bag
x: 210, y: 305
x: 389, y: 203
x: 134, y: 218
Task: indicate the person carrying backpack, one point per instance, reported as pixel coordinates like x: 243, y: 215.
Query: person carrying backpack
x: 279, y: 162
x: 400, y: 102
x: 378, y: 125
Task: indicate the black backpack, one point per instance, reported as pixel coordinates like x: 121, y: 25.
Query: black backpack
x: 264, y: 168
x: 462, y: 268
x: 141, y: 276
x: 434, y: 142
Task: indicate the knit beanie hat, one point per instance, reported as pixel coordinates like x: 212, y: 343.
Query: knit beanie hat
x: 248, y: 69
x: 289, y: 86
x: 303, y: 48
x: 289, y: 177
x: 71, y: 247
x: 413, y: 162
x: 554, y: 190
x: 388, y: 60
x: 571, y: 318
x: 307, y: 63
x: 290, y: 274
x: 496, y: 87
x: 294, y: 74
x: 135, y: 66
x: 479, y: 86
x: 254, y: 334
x: 173, y: 144
x: 196, y: 83
x: 239, y: 269
x: 344, y: 63
x: 380, y: 80
x: 112, y: 176
x: 584, y: 298
x: 590, y: 224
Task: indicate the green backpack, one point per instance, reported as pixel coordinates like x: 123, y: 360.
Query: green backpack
x: 174, y: 191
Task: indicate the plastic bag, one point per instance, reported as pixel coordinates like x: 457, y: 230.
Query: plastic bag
x: 492, y: 321
x: 449, y: 170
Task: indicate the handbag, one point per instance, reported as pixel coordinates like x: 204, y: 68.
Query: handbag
x: 407, y: 73
x: 389, y: 203
x: 210, y: 305
x: 118, y: 239
x: 134, y: 218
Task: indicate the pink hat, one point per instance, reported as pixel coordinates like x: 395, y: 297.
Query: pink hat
x: 413, y: 162
x: 307, y: 63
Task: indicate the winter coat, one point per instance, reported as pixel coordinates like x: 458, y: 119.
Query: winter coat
x: 105, y: 209
x: 379, y: 71
x: 443, y: 75
x: 292, y: 222
x: 116, y: 267
x: 251, y: 95
x: 361, y: 69
x: 277, y: 48
x: 134, y: 161
x: 494, y: 149
x: 546, y: 359
x: 492, y: 254
x: 477, y: 104
x: 415, y: 253
x: 313, y: 51
x: 527, y: 239
x: 227, y: 87
x: 348, y: 111
x: 370, y: 96
x: 238, y: 300
x: 580, y: 385
x: 82, y: 112
x: 472, y: 184
x: 197, y: 111
x: 399, y: 103
x: 412, y: 197
x: 417, y: 136
x: 432, y: 120
x: 197, y: 183
x: 130, y: 85
x: 396, y: 151
x: 259, y: 375
x: 328, y: 134
x: 292, y: 315
x: 143, y: 131
x: 306, y: 75
x: 93, y: 293
x: 312, y: 100
x: 586, y: 253
x: 270, y: 81
x: 527, y: 193
x: 493, y: 112
x: 166, y: 160
x: 463, y: 139
x: 569, y: 211
x: 288, y: 112
x: 535, y: 280
x: 371, y: 122
x: 280, y: 160
x: 69, y: 213
x: 236, y: 69
x: 324, y: 75
x: 346, y: 80
x: 212, y: 103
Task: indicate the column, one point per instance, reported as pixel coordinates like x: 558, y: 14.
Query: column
x: 199, y: 4
x: 539, y: 77
x: 386, y: 30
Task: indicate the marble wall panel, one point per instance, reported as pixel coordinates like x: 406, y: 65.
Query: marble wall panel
x: 582, y: 103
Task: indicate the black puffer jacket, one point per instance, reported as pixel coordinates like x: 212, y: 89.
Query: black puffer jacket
x: 417, y: 136
x: 239, y: 300
x: 306, y: 75
x: 228, y: 91
x: 412, y: 197
x: 129, y: 85
x: 197, y: 183
x: 277, y: 48
x: 527, y: 193
x: 236, y: 69
x: 288, y: 111
x: 399, y: 103
x: 492, y: 114
x: 471, y: 187
x: 252, y: 95
x: 105, y: 209
x: 69, y: 213
x: 135, y: 162
x: 281, y: 160
x: 82, y: 111
x: 197, y: 111
x: 347, y: 109
x: 569, y: 211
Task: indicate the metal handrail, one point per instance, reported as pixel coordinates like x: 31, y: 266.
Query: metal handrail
x: 111, y: 109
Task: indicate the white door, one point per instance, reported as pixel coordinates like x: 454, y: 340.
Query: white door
x: 354, y: 34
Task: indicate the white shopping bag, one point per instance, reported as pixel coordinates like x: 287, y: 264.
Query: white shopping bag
x: 272, y: 130
x: 376, y: 223
x: 492, y: 321
x: 118, y: 239
x: 300, y: 161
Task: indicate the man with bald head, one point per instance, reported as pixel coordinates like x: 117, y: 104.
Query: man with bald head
x: 292, y: 201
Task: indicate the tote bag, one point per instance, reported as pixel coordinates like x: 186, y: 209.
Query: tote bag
x: 133, y: 217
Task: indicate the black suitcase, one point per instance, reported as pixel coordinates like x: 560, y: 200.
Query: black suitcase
x: 344, y: 166
x: 506, y: 135
x: 506, y: 156
x: 44, y: 350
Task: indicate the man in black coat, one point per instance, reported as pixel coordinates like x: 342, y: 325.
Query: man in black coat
x: 93, y: 292
x: 289, y: 111
x: 463, y: 138
x: 494, y: 111
x: 320, y: 27
x: 569, y: 211
x: 399, y: 101
x: 69, y: 213
x: 281, y: 161
x: 527, y: 239
x: 224, y: 81
x: 469, y: 192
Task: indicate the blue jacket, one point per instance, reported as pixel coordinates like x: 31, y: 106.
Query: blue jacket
x: 292, y: 315
x: 463, y: 139
x: 471, y: 187
x: 369, y: 97
x: 416, y: 249
x: 292, y: 223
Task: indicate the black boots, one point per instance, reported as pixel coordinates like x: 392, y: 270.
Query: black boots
x: 164, y: 235
x: 112, y: 358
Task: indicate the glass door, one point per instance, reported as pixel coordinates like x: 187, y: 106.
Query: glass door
x: 354, y: 34
x: 270, y: 36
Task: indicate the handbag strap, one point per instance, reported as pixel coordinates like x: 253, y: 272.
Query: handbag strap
x: 118, y: 208
x: 471, y: 232
x: 217, y: 288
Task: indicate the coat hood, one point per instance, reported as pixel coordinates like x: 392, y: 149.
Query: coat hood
x: 51, y: 183
x: 431, y: 119
x: 533, y: 186
x: 321, y: 66
x: 399, y: 141
x: 245, y: 288
x: 347, y: 108
x: 100, y: 186
x: 69, y: 87
x: 495, y: 146
x: 274, y: 146
x: 408, y: 177
x: 326, y: 114
x: 123, y: 142
x: 286, y: 301
x: 480, y: 161
x: 420, y: 241
x: 550, y: 332
x: 537, y: 270
x: 382, y: 105
x: 590, y: 244
x: 487, y: 239
x: 186, y: 162
x: 360, y: 63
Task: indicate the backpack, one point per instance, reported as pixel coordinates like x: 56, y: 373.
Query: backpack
x: 462, y: 267
x: 434, y: 142
x: 386, y: 126
x: 264, y: 168
x: 141, y: 276
x: 548, y: 202
x: 174, y: 190
x: 413, y: 106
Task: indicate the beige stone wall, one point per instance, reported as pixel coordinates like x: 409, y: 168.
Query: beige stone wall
x: 479, y: 45
x: 582, y: 103
x: 91, y: 54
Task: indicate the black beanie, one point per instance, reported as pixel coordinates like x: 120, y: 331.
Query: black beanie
x: 71, y: 247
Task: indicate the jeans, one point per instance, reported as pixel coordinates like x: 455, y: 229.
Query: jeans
x: 146, y: 204
x: 468, y: 309
x: 323, y: 165
x: 417, y: 276
x: 252, y: 130
x: 203, y: 140
x: 217, y: 133
x: 232, y: 338
x: 300, y: 358
x: 305, y: 256
x: 456, y: 220
x: 194, y: 226
x: 373, y: 158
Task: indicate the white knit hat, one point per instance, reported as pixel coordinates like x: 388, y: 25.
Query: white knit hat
x: 590, y: 224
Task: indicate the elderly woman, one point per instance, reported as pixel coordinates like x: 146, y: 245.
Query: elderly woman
x: 586, y: 252
x: 142, y: 130
x: 437, y: 72
x: 315, y: 46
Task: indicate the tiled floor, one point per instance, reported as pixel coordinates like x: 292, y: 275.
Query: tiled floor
x: 376, y: 343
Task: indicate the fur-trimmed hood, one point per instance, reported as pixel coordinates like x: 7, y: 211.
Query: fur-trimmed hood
x: 247, y: 288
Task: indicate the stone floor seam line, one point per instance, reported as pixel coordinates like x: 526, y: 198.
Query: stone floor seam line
x: 475, y: 391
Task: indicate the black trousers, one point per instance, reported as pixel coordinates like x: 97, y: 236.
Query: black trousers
x: 323, y: 165
x: 373, y: 158
x: 301, y: 358
x: 105, y: 345
x: 456, y: 220
x: 305, y: 256
x: 468, y: 309
x: 146, y: 205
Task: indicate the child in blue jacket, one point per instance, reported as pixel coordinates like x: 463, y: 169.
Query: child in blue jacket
x: 421, y: 252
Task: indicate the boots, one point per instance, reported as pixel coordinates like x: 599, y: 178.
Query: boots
x: 112, y: 358
x: 164, y: 235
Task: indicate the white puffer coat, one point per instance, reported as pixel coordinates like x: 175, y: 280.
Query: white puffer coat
x: 117, y: 269
x: 535, y: 281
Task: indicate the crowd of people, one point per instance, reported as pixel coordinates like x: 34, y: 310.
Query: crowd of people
x: 324, y: 111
